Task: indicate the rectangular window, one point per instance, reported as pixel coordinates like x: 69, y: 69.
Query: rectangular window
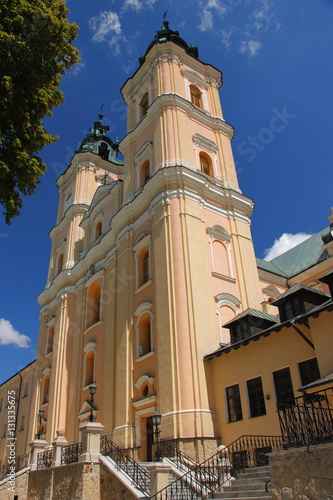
x: 309, y: 371
x: 283, y: 387
x: 234, y: 403
x: 256, y: 397
x: 292, y: 308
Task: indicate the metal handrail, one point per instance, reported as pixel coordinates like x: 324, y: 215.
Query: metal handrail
x: 70, y: 453
x: 21, y: 462
x: 139, y: 475
x: 308, y: 419
x: 169, y: 449
x: 210, y: 475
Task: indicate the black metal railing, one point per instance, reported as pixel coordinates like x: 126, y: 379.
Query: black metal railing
x: 209, y: 476
x: 139, y: 476
x: 170, y: 449
x: 20, y: 463
x: 44, y: 459
x: 70, y: 453
x: 308, y: 419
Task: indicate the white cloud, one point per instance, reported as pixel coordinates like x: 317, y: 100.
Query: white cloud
x: 285, y: 243
x: 77, y: 68
x: 250, y: 47
x: 8, y: 335
x: 106, y: 24
x: 226, y: 37
x: 206, y: 14
x: 138, y: 4
x: 134, y: 4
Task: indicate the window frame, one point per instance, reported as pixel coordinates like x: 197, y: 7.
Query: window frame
x: 233, y: 404
x: 257, y: 407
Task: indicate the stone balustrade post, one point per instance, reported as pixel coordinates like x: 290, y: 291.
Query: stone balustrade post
x: 91, y: 441
x: 37, y: 446
x: 159, y: 476
x: 57, y: 444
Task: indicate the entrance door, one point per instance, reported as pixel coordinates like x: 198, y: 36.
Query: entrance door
x: 150, y: 436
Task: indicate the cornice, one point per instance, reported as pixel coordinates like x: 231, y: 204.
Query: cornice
x: 180, y: 104
x: 165, y: 184
x: 72, y: 211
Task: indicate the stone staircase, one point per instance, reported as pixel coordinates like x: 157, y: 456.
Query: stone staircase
x: 250, y: 485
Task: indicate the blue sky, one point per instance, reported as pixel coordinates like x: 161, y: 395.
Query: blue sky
x: 276, y: 58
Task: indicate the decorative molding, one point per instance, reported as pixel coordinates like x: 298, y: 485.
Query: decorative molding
x: 204, y: 143
x: 145, y: 307
x: 143, y: 379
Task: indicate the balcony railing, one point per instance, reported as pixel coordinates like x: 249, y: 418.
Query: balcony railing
x: 70, y: 453
x: 208, y: 477
x: 308, y: 419
x: 44, y: 459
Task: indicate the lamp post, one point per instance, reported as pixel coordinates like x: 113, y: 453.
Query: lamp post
x: 92, y: 391
x: 156, y: 418
x: 40, y: 420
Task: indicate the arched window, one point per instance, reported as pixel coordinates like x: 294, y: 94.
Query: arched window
x: 144, y: 103
x: 145, y: 267
x: 221, y: 260
x: 98, y: 230
x: 94, y: 305
x: 144, y: 173
x: 195, y: 96
x: 60, y: 263
x: 144, y: 335
x: 46, y: 387
x: 205, y: 164
x: 50, y: 336
x: 103, y: 151
x: 89, y: 372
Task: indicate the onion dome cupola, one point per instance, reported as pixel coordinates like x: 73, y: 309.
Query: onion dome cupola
x: 165, y: 34
x: 96, y: 141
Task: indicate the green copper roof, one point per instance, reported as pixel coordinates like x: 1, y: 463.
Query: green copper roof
x: 299, y: 258
x: 256, y: 314
x: 165, y: 34
x: 295, y: 288
x: 96, y: 141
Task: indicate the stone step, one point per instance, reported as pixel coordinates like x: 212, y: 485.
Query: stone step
x: 218, y: 496
x: 255, y: 494
x: 244, y: 487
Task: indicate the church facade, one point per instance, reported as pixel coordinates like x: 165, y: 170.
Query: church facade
x: 154, y: 293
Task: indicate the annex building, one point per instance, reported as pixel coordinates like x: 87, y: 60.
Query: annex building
x: 155, y: 297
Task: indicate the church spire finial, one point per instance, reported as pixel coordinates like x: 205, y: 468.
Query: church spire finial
x: 165, y: 22
x: 100, y: 115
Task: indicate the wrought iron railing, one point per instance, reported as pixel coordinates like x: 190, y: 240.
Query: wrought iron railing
x: 44, y: 459
x: 170, y: 449
x: 308, y: 419
x: 20, y: 463
x: 70, y: 453
x: 203, y: 480
x: 139, y: 476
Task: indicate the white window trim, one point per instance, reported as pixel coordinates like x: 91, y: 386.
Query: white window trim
x: 89, y: 347
x: 143, y: 309
x: 228, y: 300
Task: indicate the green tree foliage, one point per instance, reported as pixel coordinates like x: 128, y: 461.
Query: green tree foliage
x: 35, y: 51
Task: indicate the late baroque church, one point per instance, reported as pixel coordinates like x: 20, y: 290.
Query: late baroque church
x: 154, y: 293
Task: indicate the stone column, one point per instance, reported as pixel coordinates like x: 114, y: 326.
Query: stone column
x: 159, y: 476
x: 37, y: 446
x: 57, y: 444
x: 91, y: 441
